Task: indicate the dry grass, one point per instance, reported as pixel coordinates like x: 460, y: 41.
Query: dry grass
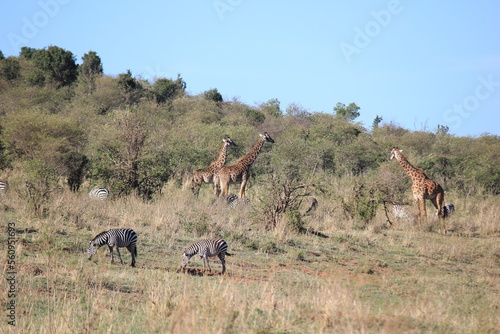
x: 374, y: 279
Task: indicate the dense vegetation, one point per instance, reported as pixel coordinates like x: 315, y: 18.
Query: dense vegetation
x: 63, y: 124
x: 65, y: 128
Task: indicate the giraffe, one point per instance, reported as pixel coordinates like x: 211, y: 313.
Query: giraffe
x: 207, y: 174
x: 423, y: 188
x: 239, y: 172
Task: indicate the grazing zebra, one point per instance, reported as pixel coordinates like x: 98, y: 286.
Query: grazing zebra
x: 205, y: 249
x: 115, y: 238
x: 99, y: 193
x: 401, y: 211
x: 448, y: 208
x: 3, y: 187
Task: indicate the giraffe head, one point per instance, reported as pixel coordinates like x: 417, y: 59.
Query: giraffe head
x: 395, y: 154
x: 228, y: 142
x: 266, y: 137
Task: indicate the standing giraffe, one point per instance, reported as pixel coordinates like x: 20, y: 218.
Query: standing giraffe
x: 239, y: 172
x: 207, y: 174
x: 423, y: 188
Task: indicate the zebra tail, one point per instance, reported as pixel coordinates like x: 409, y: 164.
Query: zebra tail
x: 229, y: 254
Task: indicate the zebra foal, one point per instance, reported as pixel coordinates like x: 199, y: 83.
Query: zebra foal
x: 206, y: 248
x: 99, y: 193
x: 115, y: 238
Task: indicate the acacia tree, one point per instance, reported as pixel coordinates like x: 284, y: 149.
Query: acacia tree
x: 57, y: 65
x: 166, y: 89
x: 89, y: 71
x: 213, y: 95
x: 131, y: 88
x: 10, y: 69
x: 122, y: 157
x: 350, y: 112
x: 39, y: 144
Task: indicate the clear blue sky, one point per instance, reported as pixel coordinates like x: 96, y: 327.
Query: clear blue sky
x: 415, y: 63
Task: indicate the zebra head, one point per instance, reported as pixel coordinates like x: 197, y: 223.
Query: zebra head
x: 92, y: 249
x: 185, y: 258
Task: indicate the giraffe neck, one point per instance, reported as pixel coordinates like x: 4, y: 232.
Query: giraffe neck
x: 221, y: 159
x: 409, y: 169
x: 250, y: 157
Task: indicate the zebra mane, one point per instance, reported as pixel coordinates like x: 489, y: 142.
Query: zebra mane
x: 99, y: 237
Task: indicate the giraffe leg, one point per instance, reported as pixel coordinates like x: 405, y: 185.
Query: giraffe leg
x: 423, y: 211
x: 439, y: 204
x: 417, y: 214
x: 242, y: 188
x: 223, y: 185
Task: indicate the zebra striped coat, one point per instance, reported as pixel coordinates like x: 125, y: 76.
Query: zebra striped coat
x: 3, y: 187
x: 401, y: 211
x: 115, y: 238
x: 448, y: 209
x: 206, y: 248
x: 99, y: 193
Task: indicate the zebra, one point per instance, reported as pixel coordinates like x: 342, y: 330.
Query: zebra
x: 232, y: 201
x: 4, y: 185
x: 115, y: 238
x: 206, y: 248
x: 99, y: 193
x: 402, y: 212
x: 448, y: 209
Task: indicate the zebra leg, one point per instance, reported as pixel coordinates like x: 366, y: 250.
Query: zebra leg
x: 205, y: 261
x: 223, y: 261
x: 133, y: 251
x: 119, y: 256
x: 111, y: 252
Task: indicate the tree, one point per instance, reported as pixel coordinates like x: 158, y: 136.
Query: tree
x: 90, y: 69
x: 442, y: 129
x: 376, y: 121
x: 350, y: 112
x: 57, y: 65
x: 10, y: 68
x: 76, y: 165
x: 27, y: 53
x: 298, y: 111
x: 272, y: 107
x: 166, y: 89
x: 213, y: 95
x: 130, y: 86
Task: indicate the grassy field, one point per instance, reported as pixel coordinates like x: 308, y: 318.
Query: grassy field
x: 345, y: 279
